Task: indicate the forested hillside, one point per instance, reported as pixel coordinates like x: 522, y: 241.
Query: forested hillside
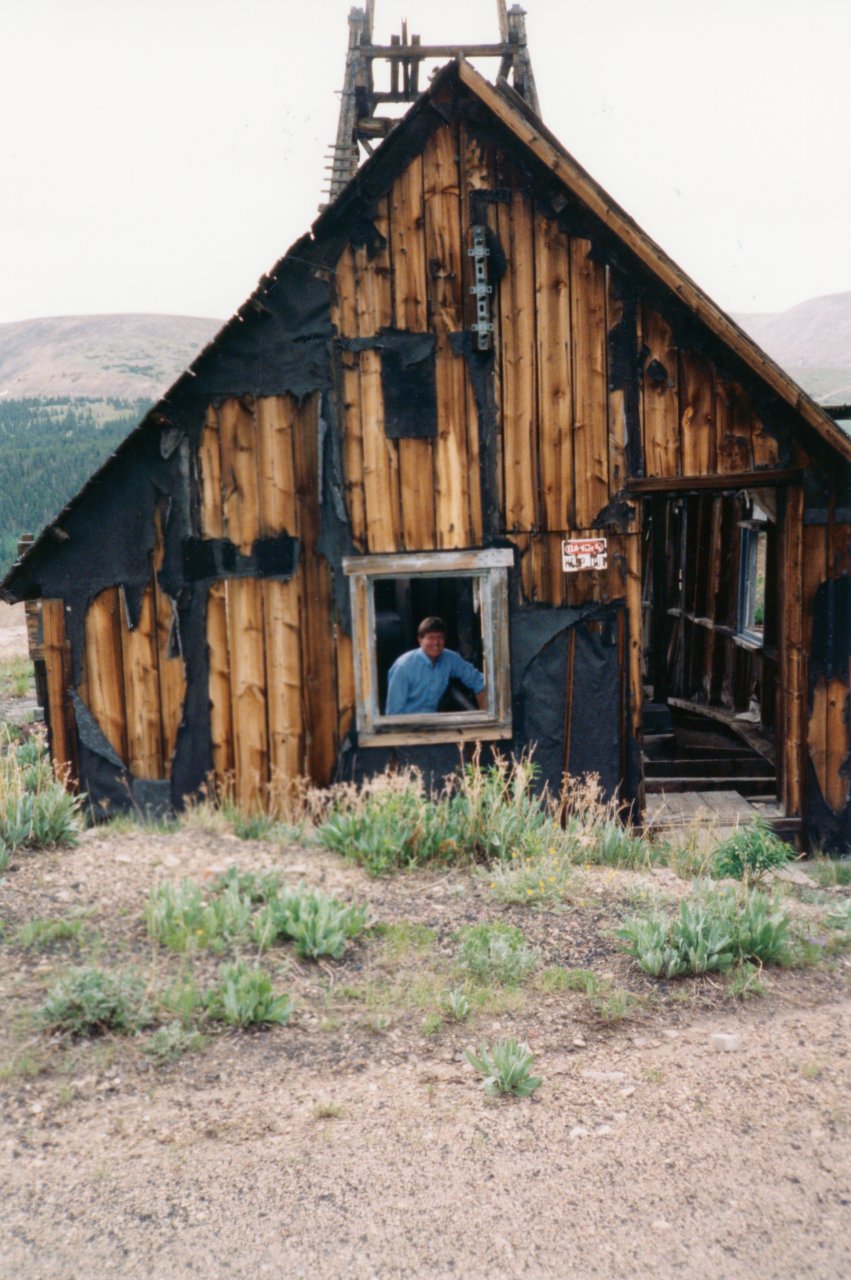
x: 48, y: 449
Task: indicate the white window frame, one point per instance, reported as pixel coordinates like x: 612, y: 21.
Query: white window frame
x: 490, y: 568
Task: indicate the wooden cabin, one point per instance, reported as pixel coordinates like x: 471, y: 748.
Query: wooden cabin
x: 476, y: 388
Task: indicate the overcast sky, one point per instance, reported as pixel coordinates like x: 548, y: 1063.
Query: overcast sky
x: 160, y: 155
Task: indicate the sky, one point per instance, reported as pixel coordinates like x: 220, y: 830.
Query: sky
x: 160, y: 155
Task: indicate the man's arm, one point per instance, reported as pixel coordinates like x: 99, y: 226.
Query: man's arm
x: 482, y: 699
x: 397, y: 692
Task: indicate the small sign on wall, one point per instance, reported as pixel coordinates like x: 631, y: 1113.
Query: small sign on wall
x: 583, y: 553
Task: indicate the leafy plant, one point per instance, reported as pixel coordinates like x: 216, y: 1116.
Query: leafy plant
x: 457, y: 1005
x: 750, y: 852
x: 531, y: 881
x: 90, y: 1001
x: 182, y: 919
x: 505, y: 1068
x: 257, y: 888
x: 495, y: 953
x: 172, y: 1041
x: 840, y: 916
x: 43, y: 934
x: 36, y: 811
x: 711, y: 931
x: 244, y: 998
x: 432, y: 1024
x: 317, y: 924
x: 390, y: 825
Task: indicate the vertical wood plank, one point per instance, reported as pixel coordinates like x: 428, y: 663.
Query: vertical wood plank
x: 346, y: 319
x: 697, y: 414
x: 210, y: 477
x: 172, y: 672
x: 517, y: 363
x: 54, y: 642
x: 318, y: 659
x: 477, y: 174
x: 104, y: 668
x: 238, y: 440
x: 616, y: 396
x: 283, y: 678
x: 635, y: 675
x: 277, y: 505
x: 276, y: 417
x: 221, y: 713
x: 142, y: 689
x: 410, y: 311
x: 248, y: 690
x: 447, y: 271
x: 380, y: 455
x: 244, y: 597
x: 552, y: 296
x: 659, y: 396
x: 791, y: 651
x: 590, y: 406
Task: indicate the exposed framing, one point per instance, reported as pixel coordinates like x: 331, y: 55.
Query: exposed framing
x: 490, y: 567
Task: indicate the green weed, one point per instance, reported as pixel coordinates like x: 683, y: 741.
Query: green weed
x: 317, y: 924
x: 750, y: 853
x: 403, y: 940
x: 531, y: 881
x: 36, y: 811
x: 505, y: 1068
x: 41, y: 935
x: 830, y: 872
x: 712, y: 931
x: 432, y: 1024
x: 91, y: 1001
x: 172, y: 1041
x: 495, y: 953
x: 743, y: 982
x: 457, y: 1005
x: 244, y: 998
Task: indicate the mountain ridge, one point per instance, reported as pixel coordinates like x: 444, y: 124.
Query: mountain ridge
x: 125, y: 356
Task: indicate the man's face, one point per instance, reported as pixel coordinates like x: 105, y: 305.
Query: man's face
x: 432, y: 644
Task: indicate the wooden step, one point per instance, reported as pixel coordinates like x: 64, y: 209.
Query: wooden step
x: 746, y: 787
x: 747, y: 766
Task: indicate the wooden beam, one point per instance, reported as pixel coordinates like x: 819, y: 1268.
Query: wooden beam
x: 717, y: 483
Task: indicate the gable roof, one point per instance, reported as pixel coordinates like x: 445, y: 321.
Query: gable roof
x: 514, y: 113
x: 518, y: 118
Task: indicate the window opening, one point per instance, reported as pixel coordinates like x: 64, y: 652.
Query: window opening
x: 753, y: 564
x: 391, y: 596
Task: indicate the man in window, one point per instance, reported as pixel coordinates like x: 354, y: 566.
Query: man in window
x: 419, y: 678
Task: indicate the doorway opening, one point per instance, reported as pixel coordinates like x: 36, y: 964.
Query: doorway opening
x: 710, y: 624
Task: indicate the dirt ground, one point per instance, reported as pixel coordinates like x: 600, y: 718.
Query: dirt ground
x: 350, y: 1143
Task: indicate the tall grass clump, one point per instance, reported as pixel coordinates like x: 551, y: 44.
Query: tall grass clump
x: 36, y: 811
x: 594, y: 830
x: 712, y: 931
x: 485, y: 813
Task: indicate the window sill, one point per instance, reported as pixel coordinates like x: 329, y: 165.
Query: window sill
x: 407, y: 733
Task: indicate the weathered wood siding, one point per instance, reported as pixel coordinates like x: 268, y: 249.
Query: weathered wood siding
x: 132, y: 677
x: 271, y: 643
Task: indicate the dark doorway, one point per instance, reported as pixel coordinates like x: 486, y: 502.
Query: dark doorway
x: 709, y: 604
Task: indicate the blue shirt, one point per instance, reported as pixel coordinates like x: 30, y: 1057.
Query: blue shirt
x: 415, y: 684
